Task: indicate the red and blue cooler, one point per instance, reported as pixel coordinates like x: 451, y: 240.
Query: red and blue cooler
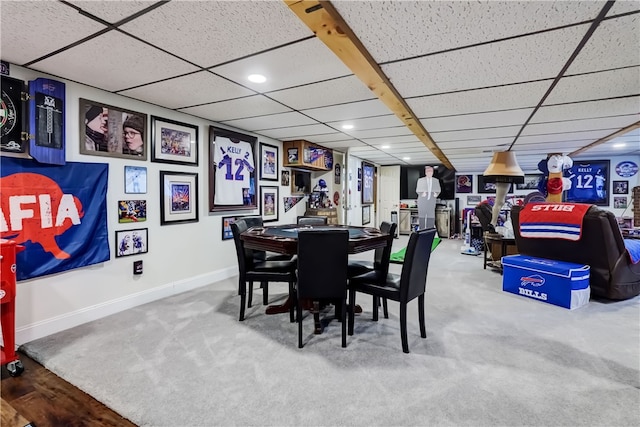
x: 555, y: 282
x: 7, y: 306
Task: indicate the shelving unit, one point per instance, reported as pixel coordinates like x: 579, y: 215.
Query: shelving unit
x: 408, y: 220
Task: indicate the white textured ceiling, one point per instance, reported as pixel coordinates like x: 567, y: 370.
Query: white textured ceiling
x: 480, y: 75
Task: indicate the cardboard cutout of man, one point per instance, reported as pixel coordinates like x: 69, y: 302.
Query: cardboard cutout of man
x: 427, y: 189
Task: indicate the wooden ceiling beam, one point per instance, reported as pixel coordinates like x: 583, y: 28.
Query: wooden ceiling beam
x: 616, y: 134
x: 327, y: 24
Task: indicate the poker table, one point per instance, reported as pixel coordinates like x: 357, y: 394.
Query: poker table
x: 283, y: 239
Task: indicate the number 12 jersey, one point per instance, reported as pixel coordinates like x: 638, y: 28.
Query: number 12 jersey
x: 234, y: 164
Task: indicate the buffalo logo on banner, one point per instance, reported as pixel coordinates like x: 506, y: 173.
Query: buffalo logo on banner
x: 57, y: 212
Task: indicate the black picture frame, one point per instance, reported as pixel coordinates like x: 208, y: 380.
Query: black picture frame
x: 485, y: 187
x: 227, y: 234
x: 174, y: 142
x: 530, y: 182
x: 224, y: 174
x: 15, y: 120
x: 132, y: 242
x: 114, y: 119
x: 269, y: 203
x: 178, y: 197
x: 620, y: 187
x: 589, y: 182
x: 368, y: 179
x: 366, y: 214
x: 269, y: 162
x: 285, y: 178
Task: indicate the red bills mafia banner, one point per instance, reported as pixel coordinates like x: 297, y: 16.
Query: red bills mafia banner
x: 58, y: 213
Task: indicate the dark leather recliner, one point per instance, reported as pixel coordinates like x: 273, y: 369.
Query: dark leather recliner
x: 601, y: 246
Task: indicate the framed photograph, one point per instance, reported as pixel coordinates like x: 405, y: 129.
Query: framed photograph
x: 625, y: 222
x: 232, y: 177
x: 589, y: 182
x: 178, y: 197
x: 368, y: 187
x: 620, y: 202
x: 530, y: 182
x: 620, y: 187
x: 292, y: 155
x: 269, y: 162
x: 337, y: 174
x: 269, y: 203
x: 132, y: 211
x: 464, y: 183
x: 135, y: 179
x: 226, y: 226
x: 359, y: 185
x: 285, y: 178
x: 488, y: 187
x: 111, y: 131
x: 366, y: 214
x: 473, y: 200
x: 132, y: 242
x: 173, y: 142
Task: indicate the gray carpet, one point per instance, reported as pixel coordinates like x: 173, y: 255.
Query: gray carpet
x: 490, y: 359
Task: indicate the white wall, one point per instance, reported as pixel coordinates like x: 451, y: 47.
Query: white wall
x: 180, y: 257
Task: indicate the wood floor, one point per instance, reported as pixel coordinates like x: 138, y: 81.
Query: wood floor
x: 40, y: 398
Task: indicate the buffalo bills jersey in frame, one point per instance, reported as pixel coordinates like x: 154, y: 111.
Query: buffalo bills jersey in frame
x: 232, y: 177
x: 589, y: 182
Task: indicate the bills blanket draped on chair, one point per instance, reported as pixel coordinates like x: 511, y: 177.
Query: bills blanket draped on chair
x: 553, y: 220
x: 633, y: 247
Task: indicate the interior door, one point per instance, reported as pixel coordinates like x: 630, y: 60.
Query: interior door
x: 389, y: 194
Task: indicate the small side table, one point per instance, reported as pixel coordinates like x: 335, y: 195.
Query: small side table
x: 505, y: 245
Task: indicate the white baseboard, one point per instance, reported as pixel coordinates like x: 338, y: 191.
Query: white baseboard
x: 50, y: 326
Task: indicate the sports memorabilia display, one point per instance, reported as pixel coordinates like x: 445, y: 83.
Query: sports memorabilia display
x: 12, y: 116
x: 589, y: 182
x: 46, y: 121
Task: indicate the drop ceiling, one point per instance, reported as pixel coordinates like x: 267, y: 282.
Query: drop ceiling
x: 531, y: 76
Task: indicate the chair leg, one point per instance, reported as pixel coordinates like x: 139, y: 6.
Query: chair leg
x: 265, y: 293
x: 293, y: 299
x: 317, y: 326
x: 385, y: 308
x: 423, y: 329
x: 376, y: 302
x: 250, y: 298
x: 343, y: 317
x: 299, y: 313
x: 403, y: 327
x: 243, y: 299
x: 352, y: 304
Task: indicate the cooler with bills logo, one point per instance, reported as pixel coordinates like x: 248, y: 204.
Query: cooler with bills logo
x: 555, y: 282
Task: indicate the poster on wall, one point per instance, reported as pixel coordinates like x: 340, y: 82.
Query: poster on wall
x: 47, y: 121
x: 13, y: 120
x: 589, y: 182
x: 368, y: 172
x: 59, y: 213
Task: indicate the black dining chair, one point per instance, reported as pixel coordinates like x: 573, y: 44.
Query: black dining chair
x: 312, y: 220
x: 250, y: 270
x: 258, y: 221
x: 322, y: 272
x: 380, y: 265
x: 410, y: 284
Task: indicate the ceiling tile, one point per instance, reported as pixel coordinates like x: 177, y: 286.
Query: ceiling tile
x: 353, y: 110
x: 297, y: 132
x: 250, y: 106
x: 607, y: 84
x: 330, y: 92
x: 389, y: 120
x: 272, y: 121
x: 392, y: 131
x: 343, y: 144
x: 191, y: 90
x: 539, y: 56
x: 408, y: 139
x: 478, y: 121
x: 609, y: 46
x: 581, y: 125
x: 480, y: 100
x: 584, y: 110
x: 327, y: 137
x: 490, y: 143
x: 105, y: 69
x: 60, y: 25
x: 225, y: 30
x: 392, y: 30
x: 565, y: 136
x: 623, y: 7
x: 312, y: 60
x: 105, y: 10
x: 475, y: 134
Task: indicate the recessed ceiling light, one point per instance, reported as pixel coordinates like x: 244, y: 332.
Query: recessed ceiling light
x: 347, y: 127
x: 257, y: 78
x: 406, y: 158
x: 619, y: 145
x: 384, y: 147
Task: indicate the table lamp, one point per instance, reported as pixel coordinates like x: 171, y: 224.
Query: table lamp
x: 503, y: 171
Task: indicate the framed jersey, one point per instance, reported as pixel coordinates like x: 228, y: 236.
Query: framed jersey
x: 232, y: 170
x: 589, y: 182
